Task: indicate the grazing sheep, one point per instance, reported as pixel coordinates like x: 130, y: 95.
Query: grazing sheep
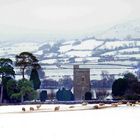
x: 101, y: 104
x: 120, y: 103
x: 23, y: 109
x: 137, y: 102
x: 38, y: 106
x: 84, y: 103
x: 57, y: 108
x: 31, y: 109
x: 71, y: 107
x: 96, y: 107
x: 128, y: 104
x: 114, y: 104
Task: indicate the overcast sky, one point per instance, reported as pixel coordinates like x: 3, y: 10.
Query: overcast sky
x: 59, y: 19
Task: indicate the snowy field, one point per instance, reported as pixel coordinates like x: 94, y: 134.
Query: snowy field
x: 121, y: 123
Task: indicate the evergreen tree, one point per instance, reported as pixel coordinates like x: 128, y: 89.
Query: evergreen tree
x: 127, y: 87
x: 119, y: 87
x: 43, y: 96
x: 34, y: 78
x: 64, y: 95
x: 88, y: 96
x: 6, y: 72
x: 26, y: 91
x: 26, y: 60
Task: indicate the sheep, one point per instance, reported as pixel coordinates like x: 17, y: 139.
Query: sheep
x: 128, y: 104
x: 57, y: 108
x: 31, y: 109
x: 23, y: 109
x: 38, y: 106
x: 101, y: 104
x: 71, y: 106
x: 120, y: 103
x: 84, y: 103
x: 96, y: 107
x: 114, y: 104
x: 137, y: 102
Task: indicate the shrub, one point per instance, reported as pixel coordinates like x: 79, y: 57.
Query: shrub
x: 88, y: 96
x: 132, y: 97
x: 64, y: 95
x: 43, y: 96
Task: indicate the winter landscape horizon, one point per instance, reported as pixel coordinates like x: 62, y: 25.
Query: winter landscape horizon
x: 69, y: 69
x: 102, y: 35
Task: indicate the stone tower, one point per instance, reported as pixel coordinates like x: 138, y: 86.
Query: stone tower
x: 81, y: 81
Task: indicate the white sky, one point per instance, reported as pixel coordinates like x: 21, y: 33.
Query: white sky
x: 57, y: 19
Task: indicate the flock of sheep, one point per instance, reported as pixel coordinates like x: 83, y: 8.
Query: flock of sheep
x: 97, y: 106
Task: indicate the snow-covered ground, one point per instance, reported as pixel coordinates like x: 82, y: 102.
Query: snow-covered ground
x: 121, y: 123
x: 117, y: 44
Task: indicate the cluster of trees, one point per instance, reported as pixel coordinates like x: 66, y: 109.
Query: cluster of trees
x: 64, y: 95
x: 127, y: 87
x: 66, y: 82
x: 18, y: 91
x: 15, y: 91
x: 61, y: 95
x: 105, y: 82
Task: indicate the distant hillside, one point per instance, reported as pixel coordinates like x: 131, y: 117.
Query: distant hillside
x: 89, y: 50
x: 57, y: 58
x: 127, y: 30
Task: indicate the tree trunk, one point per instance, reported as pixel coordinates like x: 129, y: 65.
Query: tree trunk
x: 23, y: 73
x: 1, y: 94
x: 22, y: 99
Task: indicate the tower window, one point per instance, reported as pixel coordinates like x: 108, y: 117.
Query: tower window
x: 83, y: 78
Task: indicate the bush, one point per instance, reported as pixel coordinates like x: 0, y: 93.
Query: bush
x: 88, y: 96
x: 43, y: 96
x: 64, y: 95
x: 132, y: 97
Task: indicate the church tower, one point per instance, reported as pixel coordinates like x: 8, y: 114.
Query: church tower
x: 81, y: 78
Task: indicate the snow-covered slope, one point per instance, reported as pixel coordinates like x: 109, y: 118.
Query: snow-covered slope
x: 73, y: 51
x: 121, y: 123
x: 119, y: 44
x: 11, y: 48
x: 90, y: 51
x: 121, y: 31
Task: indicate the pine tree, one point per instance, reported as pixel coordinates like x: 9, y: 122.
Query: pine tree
x: 34, y: 78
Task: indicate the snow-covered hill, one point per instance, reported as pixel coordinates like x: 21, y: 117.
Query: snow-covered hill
x: 121, y: 31
x: 80, y: 51
x: 89, y: 51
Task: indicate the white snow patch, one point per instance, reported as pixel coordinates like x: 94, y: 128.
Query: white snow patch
x: 79, y: 53
x: 49, y: 61
x: 116, y: 44
x: 113, y: 123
